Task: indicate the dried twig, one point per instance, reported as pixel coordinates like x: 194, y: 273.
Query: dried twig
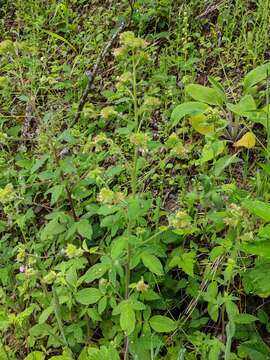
x: 92, y: 74
x: 209, y: 10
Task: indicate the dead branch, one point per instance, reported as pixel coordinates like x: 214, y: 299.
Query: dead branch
x: 92, y: 74
x: 209, y: 10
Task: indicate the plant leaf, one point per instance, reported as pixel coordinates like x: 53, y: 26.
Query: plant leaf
x: 248, y: 141
x: 255, y: 76
x: 152, y: 263
x: 95, y: 272
x: 187, y: 108
x: 198, y: 122
x: 88, y: 296
x: 259, y: 208
x: 59, y: 37
x: 127, y: 318
x: 204, y: 94
x: 85, y: 229
x: 161, y: 324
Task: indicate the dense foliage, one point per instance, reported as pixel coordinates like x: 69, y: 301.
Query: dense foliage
x: 142, y: 230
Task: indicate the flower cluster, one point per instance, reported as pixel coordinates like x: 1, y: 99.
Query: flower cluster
x: 180, y: 220
x: 107, y: 196
x: 72, y: 251
x: 7, y: 194
x: 129, y: 42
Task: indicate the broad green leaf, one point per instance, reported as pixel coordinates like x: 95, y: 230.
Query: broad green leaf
x: 255, y: 76
x: 39, y: 163
x: 161, y: 324
x: 118, y: 246
x: 198, y: 122
x: 85, y: 229
x: 245, y: 319
x: 264, y: 231
x: 256, y: 280
x: 152, y: 263
x: 257, y: 247
x: 35, y: 355
x: 88, y: 296
x: 56, y: 191
x: 245, y: 106
x: 127, y: 318
x: 95, y: 272
x: 259, y: 208
x: 213, y: 311
x: 218, y: 87
x: 51, y: 229
x: 186, y: 263
x: 204, y: 94
x: 43, y: 317
x: 248, y: 141
x: 187, y: 108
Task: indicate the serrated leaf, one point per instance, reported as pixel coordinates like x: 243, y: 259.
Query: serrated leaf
x: 43, y: 317
x: 95, y: 272
x: 51, y: 229
x: 35, y: 355
x: 88, y: 296
x: 152, y: 263
x: 161, y: 324
x: 127, y: 318
x: 118, y: 246
x: 85, y: 229
x: 56, y: 192
x: 248, y: 141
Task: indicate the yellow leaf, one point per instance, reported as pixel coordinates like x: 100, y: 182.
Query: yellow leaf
x: 248, y: 141
x: 198, y: 122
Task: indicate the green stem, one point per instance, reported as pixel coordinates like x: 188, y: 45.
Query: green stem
x: 58, y: 315
x: 268, y: 119
x: 134, y: 181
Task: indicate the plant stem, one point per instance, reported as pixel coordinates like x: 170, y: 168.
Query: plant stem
x: 134, y: 181
x: 268, y: 119
x: 58, y: 316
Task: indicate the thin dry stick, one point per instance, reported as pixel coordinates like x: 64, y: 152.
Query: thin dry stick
x: 92, y: 74
x: 209, y: 10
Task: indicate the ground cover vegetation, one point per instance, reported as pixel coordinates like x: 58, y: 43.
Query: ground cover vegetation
x: 134, y: 221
